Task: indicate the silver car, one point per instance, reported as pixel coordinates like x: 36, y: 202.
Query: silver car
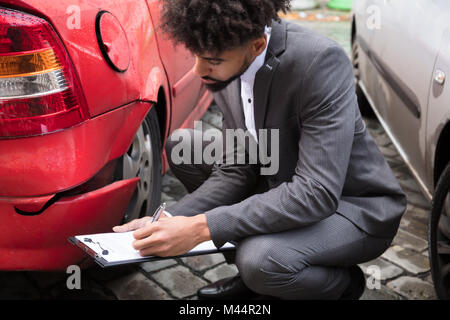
x: 401, y: 57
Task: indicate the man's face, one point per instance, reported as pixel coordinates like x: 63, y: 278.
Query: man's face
x: 219, y: 70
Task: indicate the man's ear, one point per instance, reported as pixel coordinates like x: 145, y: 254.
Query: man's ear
x: 258, y: 45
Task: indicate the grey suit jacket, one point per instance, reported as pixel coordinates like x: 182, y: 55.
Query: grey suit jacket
x: 329, y: 163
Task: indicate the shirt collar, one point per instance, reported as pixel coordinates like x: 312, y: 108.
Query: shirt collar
x: 250, y: 73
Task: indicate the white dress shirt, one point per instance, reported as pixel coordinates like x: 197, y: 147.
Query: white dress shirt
x: 247, y: 83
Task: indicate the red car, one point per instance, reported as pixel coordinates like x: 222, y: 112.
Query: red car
x: 89, y: 91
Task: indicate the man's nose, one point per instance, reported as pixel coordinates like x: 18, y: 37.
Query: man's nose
x: 200, y: 68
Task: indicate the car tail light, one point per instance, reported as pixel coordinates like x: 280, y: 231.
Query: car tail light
x: 39, y: 90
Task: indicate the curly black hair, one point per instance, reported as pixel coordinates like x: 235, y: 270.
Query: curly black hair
x: 217, y: 25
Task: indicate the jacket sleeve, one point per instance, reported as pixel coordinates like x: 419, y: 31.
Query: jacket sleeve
x: 326, y: 104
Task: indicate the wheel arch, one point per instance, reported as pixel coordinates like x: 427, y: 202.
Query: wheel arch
x: 353, y: 32
x: 162, y: 111
x: 442, y: 155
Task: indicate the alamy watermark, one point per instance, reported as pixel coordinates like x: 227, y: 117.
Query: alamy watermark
x: 74, y: 280
x: 236, y: 147
x: 374, y: 19
x: 74, y: 19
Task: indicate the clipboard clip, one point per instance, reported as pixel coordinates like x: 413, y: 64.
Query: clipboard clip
x: 89, y: 240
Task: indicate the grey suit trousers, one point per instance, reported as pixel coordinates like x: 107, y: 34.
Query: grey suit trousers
x: 307, y: 263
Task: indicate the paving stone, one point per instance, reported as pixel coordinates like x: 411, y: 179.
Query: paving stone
x: 414, y: 227
x: 408, y: 183
x: 417, y: 199
x: 220, y: 272
x: 373, y: 125
x: 384, y: 293
x: 404, y: 171
x: 382, y: 139
x: 388, y: 152
x: 137, y: 287
x: 214, y: 108
x: 15, y: 285
x: 387, y: 270
x: 213, y: 129
x: 418, y: 214
x: 397, y: 174
x: 157, y: 265
x: 399, y: 158
x: 213, y: 118
x: 413, y: 288
x: 172, y: 187
x: 409, y: 241
x: 391, y: 146
x: 166, y: 198
x: 203, y: 262
x: 429, y: 278
x: 407, y: 259
x: 180, y: 281
x: 394, y: 162
x: 168, y: 183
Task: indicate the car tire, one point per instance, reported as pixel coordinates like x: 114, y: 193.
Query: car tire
x: 439, y: 236
x: 363, y: 103
x: 143, y: 159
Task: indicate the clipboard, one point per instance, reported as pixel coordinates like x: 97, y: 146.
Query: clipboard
x: 104, y: 263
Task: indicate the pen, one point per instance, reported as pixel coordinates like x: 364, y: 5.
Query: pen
x: 158, y: 212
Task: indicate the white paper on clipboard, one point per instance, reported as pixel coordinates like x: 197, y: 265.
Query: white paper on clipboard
x: 116, y: 247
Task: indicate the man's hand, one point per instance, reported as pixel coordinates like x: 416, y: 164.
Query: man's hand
x: 136, y: 223
x: 169, y: 236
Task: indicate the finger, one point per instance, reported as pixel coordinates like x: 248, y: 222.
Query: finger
x: 132, y: 225
x: 122, y: 228
x: 147, y: 252
x: 145, y: 231
x: 153, y: 251
x: 148, y: 242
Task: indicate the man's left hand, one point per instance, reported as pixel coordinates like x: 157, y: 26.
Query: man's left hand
x: 171, y: 237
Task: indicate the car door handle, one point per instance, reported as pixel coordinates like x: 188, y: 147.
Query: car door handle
x: 439, y: 77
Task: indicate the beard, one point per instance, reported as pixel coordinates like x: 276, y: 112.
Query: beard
x: 219, y: 85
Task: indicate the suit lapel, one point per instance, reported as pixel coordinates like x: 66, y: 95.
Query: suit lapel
x: 261, y: 90
x: 264, y: 76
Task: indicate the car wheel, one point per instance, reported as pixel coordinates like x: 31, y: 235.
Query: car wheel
x: 363, y: 104
x: 439, y: 236
x: 143, y: 159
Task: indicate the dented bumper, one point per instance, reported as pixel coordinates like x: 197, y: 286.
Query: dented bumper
x: 39, y: 242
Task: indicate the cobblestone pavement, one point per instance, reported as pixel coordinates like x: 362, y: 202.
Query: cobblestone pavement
x: 405, y: 270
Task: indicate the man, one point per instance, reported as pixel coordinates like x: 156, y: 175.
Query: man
x: 333, y: 203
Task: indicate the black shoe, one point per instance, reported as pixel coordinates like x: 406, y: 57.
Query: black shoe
x: 228, y: 288
x: 357, y: 284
